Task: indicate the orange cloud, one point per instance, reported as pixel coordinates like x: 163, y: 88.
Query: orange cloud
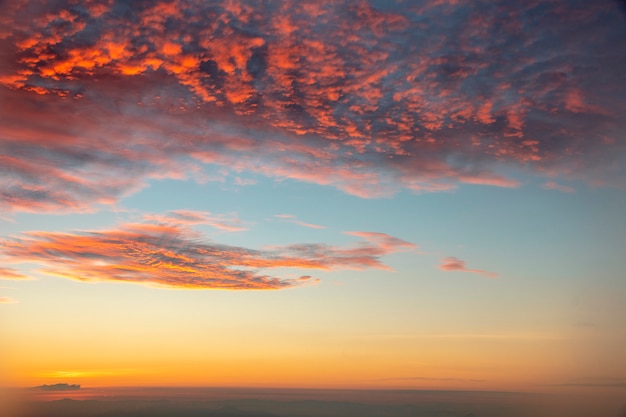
x: 7, y: 300
x: 174, y: 256
x: 8, y: 273
x: 451, y: 264
x: 364, y: 98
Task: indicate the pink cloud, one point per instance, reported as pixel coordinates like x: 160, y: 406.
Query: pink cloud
x: 191, y: 217
x: 551, y: 185
x: 292, y: 219
x: 345, y: 94
x: 489, y: 179
x: 385, y: 242
x: 451, y: 264
x: 245, y: 181
x: 175, y: 256
x: 9, y: 273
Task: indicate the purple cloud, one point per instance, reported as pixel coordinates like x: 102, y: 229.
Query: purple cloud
x: 99, y: 97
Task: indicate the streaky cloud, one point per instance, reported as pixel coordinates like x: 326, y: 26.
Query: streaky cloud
x: 10, y: 273
x: 292, y: 219
x: 451, y: 264
x: 192, y: 217
x: 551, y: 185
x: 176, y: 256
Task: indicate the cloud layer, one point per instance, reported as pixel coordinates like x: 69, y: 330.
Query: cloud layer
x: 97, y: 97
x: 173, y: 255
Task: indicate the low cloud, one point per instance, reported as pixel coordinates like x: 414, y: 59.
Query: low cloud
x: 451, y: 264
x: 608, y: 382
x: 176, y: 256
x: 418, y: 378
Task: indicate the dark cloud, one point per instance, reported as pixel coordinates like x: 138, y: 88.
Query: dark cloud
x: 58, y: 387
x: 100, y: 96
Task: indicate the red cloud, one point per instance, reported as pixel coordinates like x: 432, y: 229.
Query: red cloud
x: 172, y: 255
x: 94, y: 102
x: 451, y: 263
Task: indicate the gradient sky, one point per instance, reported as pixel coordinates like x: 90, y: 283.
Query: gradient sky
x: 387, y: 194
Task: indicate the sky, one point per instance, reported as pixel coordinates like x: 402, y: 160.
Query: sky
x: 341, y: 194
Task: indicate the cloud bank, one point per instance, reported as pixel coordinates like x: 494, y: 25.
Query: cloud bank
x: 97, y: 97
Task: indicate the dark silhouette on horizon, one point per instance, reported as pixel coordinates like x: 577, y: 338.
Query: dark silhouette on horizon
x: 58, y: 387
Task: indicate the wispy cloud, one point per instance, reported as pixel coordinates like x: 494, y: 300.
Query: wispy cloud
x: 9, y: 273
x: 7, y: 300
x: 228, y: 223
x: 292, y: 219
x: 451, y: 264
x: 417, y: 378
x: 604, y: 382
x: 387, y: 243
x: 364, y: 98
x: 511, y: 336
x: 175, y: 256
x: 551, y: 185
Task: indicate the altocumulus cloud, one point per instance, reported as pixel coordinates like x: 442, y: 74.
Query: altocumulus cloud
x: 175, y: 256
x: 99, y: 96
